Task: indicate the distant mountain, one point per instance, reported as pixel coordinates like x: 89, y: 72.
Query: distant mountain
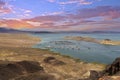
x: 106, y: 32
x: 39, y: 32
x: 9, y: 30
x: 6, y: 30
x: 89, y: 32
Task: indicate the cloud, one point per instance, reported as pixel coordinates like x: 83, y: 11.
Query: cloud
x: 47, y: 18
x: 17, y: 24
x: 51, y: 0
x: 107, y: 12
x: 34, y: 23
x: 83, y: 2
x: 81, y: 20
x: 27, y: 11
x: 4, y: 7
x: 21, y: 12
x: 55, y: 13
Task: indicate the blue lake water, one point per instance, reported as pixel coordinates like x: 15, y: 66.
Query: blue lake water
x: 86, y: 51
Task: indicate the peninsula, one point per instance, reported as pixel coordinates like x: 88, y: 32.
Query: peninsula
x: 90, y: 39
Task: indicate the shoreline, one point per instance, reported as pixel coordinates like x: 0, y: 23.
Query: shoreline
x: 18, y: 40
x: 70, y: 57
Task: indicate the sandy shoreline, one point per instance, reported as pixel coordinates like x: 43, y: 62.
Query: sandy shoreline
x: 17, y: 40
x: 13, y: 48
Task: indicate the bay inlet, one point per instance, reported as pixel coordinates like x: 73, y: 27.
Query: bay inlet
x: 86, y: 51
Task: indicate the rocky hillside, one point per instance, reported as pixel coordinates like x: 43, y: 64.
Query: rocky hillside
x: 32, y: 70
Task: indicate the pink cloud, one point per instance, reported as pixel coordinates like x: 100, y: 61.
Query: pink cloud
x: 48, y: 18
x: 14, y: 23
x: 4, y: 7
x: 51, y: 0
x: 70, y: 21
x: 101, y: 11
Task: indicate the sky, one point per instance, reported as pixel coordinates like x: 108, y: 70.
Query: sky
x: 60, y: 15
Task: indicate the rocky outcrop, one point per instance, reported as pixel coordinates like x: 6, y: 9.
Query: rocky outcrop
x: 110, y: 42
x: 94, y: 75
x: 53, y: 61
x: 14, y: 69
x: 114, y: 68
x: 37, y: 76
x: 112, y: 71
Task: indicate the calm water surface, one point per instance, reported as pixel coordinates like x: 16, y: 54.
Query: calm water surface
x: 87, y: 51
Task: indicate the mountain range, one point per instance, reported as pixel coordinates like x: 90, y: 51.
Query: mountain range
x: 9, y: 30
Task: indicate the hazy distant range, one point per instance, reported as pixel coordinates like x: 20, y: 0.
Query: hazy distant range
x: 9, y: 30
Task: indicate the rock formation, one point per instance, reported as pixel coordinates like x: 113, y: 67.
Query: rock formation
x: 53, y: 61
x: 112, y: 71
x: 23, y: 70
x: 109, y: 42
x: 114, y: 68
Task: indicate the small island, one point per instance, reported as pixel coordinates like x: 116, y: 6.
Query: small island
x: 110, y: 42
x: 90, y: 39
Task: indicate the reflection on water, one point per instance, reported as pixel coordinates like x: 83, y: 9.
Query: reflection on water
x: 87, y: 51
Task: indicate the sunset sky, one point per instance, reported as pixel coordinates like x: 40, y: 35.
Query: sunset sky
x: 60, y: 15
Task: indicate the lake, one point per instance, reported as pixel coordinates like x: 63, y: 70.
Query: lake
x: 86, y: 51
